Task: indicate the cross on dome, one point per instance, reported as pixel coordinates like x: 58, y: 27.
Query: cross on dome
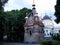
x: 33, y: 1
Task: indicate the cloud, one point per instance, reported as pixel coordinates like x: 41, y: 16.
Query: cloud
x: 57, y: 26
x: 13, y: 4
x: 42, y: 6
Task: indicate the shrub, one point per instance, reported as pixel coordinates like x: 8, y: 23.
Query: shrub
x: 50, y: 42
x: 56, y: 37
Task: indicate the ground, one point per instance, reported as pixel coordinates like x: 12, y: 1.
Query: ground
x: 19, y: 44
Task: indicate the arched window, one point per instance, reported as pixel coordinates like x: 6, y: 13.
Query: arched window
x: 30, y: 33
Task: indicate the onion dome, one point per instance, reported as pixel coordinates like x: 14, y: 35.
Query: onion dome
x: 46, y: 17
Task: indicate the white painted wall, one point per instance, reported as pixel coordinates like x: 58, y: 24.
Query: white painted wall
x: 47, y: 32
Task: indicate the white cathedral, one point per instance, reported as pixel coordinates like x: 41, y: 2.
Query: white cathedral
x: 37, y: 29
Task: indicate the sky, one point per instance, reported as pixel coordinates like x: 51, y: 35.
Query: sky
x: 42, y: 6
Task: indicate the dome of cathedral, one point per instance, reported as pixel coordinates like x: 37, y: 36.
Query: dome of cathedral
x: 46, y: 17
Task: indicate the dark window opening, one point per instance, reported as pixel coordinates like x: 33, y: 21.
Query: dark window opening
x: 30, y: 33
x: 27, y: 30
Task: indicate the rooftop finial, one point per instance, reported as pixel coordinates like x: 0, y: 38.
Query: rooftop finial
x: 33, y: 4
x: 33, y: 1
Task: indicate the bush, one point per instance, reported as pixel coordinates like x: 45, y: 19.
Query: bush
x: 56, y: 37
x: 50, y: 42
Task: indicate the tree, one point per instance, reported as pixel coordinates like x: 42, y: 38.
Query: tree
x: 14, y: 24
x: 57, y: 11
x: 2, y: 2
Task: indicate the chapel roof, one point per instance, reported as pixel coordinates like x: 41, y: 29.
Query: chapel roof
x: 39, y: 23
x: 46, y: 17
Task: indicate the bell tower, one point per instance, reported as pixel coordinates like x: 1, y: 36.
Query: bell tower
x: 33, y: 8
x: 33, y: 4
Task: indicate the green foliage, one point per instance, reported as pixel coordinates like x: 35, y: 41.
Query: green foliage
x: 14, y: 20
x: 12, y: 23
x: 50, y: 42
x: 57, y: 11
x: 2, y: 19
x: 56, y: 37
x: 2, y: 3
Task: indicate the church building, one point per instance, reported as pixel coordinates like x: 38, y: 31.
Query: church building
x: 37, y: 29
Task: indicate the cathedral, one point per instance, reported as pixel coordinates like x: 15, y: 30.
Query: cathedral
x: 37, y: 29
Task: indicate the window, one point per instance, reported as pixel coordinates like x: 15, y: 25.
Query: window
x: 46, y: 30
x: 30, y: 33
x: 47, y: 34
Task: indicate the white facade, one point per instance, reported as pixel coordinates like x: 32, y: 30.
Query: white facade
x: 47, y: 32
x: 48, y: 26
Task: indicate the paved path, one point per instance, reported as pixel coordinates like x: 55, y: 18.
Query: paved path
x: 19, y: 44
